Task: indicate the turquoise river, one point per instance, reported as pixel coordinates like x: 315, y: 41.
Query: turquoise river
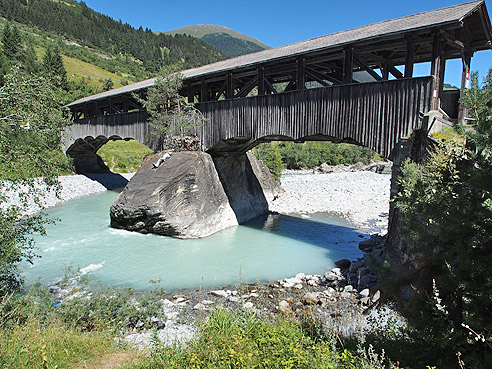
x: 265, y: 249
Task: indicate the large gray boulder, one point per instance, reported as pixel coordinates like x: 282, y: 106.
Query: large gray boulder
x: 192, y: 195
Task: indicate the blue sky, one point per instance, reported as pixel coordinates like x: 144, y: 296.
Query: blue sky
x: 278, y: 23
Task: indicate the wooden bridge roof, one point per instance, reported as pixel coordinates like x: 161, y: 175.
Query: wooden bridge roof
x: 472, y: 15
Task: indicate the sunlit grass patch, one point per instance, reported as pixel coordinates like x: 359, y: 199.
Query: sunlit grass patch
x: 53, y: 345
x: 123, y: 156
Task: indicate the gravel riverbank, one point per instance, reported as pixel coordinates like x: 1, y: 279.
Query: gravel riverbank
x: 361, y: 197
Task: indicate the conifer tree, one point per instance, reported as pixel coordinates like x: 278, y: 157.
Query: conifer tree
x: 446, y: 207
x: 54, y: 68
x: 12, y: 44
x: 31, y: 64
x: 108, y: 84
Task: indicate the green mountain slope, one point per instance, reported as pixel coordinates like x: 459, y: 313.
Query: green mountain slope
x: 90, y: 66
x: 76, y: 22
x: 230, y: 42
x: 231, y: 46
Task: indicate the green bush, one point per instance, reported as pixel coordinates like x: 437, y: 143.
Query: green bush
x: 311, y: 154
x: 270, y: 155
x: 446, y: 208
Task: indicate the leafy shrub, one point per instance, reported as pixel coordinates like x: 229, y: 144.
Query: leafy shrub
x: 446, y: 207
x: 271, y: 157
x: 112, y: 308
x: 312, y: 154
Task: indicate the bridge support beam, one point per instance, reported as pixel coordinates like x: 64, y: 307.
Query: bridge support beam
x: 301, y: 74
x: 410, y: 58
x: 229, y: 86
x: 348, y: 64
x: 465, y: 80
x: 204, y: 96
x: 261, y: 80
x: 437, y: 70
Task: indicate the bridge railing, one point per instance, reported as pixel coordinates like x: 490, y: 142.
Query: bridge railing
x: 114, y: 119
x: 126, y: 125
x: 375, y: 114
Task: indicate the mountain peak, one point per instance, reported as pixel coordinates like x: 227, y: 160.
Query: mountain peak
x: 227, y: 40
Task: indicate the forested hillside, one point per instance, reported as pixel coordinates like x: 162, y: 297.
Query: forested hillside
x: 227, y: 40
x: 75, y: 21
x: 231, y: 46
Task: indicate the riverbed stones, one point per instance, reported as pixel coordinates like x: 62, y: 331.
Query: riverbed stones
x: 343, y: 263
x: 219, y: 293
x: 378, y: 167
x: 355, y: 266
x: 310, y: 298
x: 284, y: 307
x: 248, y: 305
x: 376, y: 297
x: 193, y: 195
x: 368, y: 280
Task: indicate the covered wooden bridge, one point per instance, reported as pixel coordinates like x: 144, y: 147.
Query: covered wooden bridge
x: 354, y: 86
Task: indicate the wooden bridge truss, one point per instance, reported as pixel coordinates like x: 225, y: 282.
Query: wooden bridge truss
x: 355, y: 85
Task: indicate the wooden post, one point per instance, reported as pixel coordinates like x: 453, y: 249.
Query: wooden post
x: 348, y: 64
x: 301, y: 74
x: 229, y: 86
x: 204, y: 91
x: 409, y: 61
x: 261, y: 80
x: 437, y: 70
x: 191, y: 94
x: 465, y: 80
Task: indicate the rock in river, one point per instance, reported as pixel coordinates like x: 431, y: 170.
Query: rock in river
x: 192, y: 195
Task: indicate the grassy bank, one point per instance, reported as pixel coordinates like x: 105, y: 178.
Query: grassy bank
x: 85, y: 332
x: 123, y: 156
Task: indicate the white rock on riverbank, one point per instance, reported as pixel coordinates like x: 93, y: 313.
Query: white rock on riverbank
x: 73, y: 187
x: 361, y: 197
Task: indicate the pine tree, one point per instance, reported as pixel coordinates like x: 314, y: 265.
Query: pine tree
x: 31, y: 63
x: 54, y: 68
x: 12, y: 44
x: 108, y: 84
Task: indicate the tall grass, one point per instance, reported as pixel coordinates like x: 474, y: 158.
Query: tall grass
x: 245, y: 340
x: 37, y: 344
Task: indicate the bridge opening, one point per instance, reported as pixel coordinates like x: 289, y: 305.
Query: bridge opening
x: 318, y: 156
x: 123, y: 156
x: 103, y: 154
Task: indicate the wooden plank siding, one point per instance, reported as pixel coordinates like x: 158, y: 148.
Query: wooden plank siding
x: 126, y: 125
x: 376, y: 114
